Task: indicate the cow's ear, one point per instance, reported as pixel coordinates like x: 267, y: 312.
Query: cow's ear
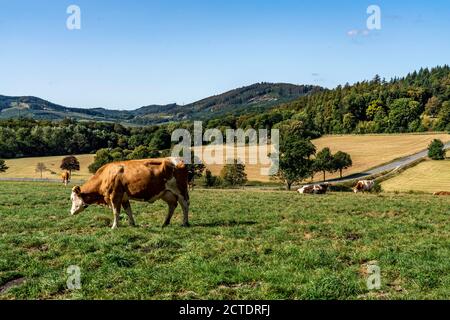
x: 76, y: 189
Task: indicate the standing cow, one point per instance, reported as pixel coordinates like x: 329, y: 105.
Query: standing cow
x: 115, y: 184
x: 364, y: 186
x: 65, y: 176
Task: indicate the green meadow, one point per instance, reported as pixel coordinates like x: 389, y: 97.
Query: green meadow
x: 242, y: 244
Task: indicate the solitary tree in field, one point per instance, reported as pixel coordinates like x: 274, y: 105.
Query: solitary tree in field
x: 40, y: 167
x: 341, y: 161
x: 436, y: 150
x: 295, y: 162
x: 3, y: 166
x: 70, y: 163
x: 324, y: 162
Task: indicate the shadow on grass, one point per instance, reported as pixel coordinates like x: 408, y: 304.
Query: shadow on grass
x: 231, y: 223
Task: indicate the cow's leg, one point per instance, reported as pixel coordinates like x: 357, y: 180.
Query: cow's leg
x: 116, y: 202
x: 116, y: 215
x: 171, y: 201
x: 127, y: 207
x: 184, y: 203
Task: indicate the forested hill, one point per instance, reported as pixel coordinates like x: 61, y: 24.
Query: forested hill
x: 257, y: 97
x: 419, y: 101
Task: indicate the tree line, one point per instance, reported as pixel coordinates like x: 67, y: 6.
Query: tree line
x: 416, y: 103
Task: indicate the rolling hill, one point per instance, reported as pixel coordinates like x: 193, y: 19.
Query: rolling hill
x: 259, y: 96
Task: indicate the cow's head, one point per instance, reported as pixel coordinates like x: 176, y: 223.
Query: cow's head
x: 78, y: 204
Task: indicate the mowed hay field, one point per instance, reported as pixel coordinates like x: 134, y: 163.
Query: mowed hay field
x: 242, y: 245
x: 427, y: 176
x: 25, y: 167
x: 367, y: 151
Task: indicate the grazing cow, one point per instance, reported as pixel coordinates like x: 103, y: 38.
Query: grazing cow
x: 115, y: 184
x: 314, y: 189
x: 442, y: 193
x: 363, y: 186
x: 65, y: 176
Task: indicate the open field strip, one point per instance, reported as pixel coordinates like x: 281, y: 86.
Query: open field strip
x: 242, y: 244
x: 428, y: 176
x: 25, y: 167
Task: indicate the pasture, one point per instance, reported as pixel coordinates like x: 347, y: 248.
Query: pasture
x: 428, y: 176
x: 242, y: 245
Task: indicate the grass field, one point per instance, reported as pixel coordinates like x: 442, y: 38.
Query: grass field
x: 25, y: 167
x: 242, y: 244
x: 428, y: 176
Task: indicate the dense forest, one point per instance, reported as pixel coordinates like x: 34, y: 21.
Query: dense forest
x: 26, y: 137
x: 418, y: 102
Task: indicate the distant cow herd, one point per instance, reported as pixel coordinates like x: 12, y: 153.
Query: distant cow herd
x: 115, y: 184
x: 322, y: 188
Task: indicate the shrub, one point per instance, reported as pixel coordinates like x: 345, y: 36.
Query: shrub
x: 211, y: 180
x: 377, y: 188
x: 436, y: 150
x: 234, y: 174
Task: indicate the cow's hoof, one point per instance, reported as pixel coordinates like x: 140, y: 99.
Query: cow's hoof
x: 164, y: 225
x: 186, y: 224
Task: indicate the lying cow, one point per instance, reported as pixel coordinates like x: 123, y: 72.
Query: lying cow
x: 321, y: 188
x: 115, y: 184
x: 65, y: 176
x: 442, y: 193
x: 314, y: 189
x: 364, y: 186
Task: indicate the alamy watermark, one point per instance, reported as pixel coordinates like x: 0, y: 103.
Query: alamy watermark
x: 374, y: 280
x: 248, y: 147
x: 74, y: 277
x: 73, y: 21
x: 374, y: 20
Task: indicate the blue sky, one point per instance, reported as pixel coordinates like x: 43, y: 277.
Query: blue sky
x: 133, y: 53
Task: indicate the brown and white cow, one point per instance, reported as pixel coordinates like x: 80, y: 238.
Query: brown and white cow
x: 314, y: 189
x: 306, y: 189
x: 65, y: 176
x: 364, y: 186
x: 321, y: 188
x: 115, y: 184
x: 442, y: 193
